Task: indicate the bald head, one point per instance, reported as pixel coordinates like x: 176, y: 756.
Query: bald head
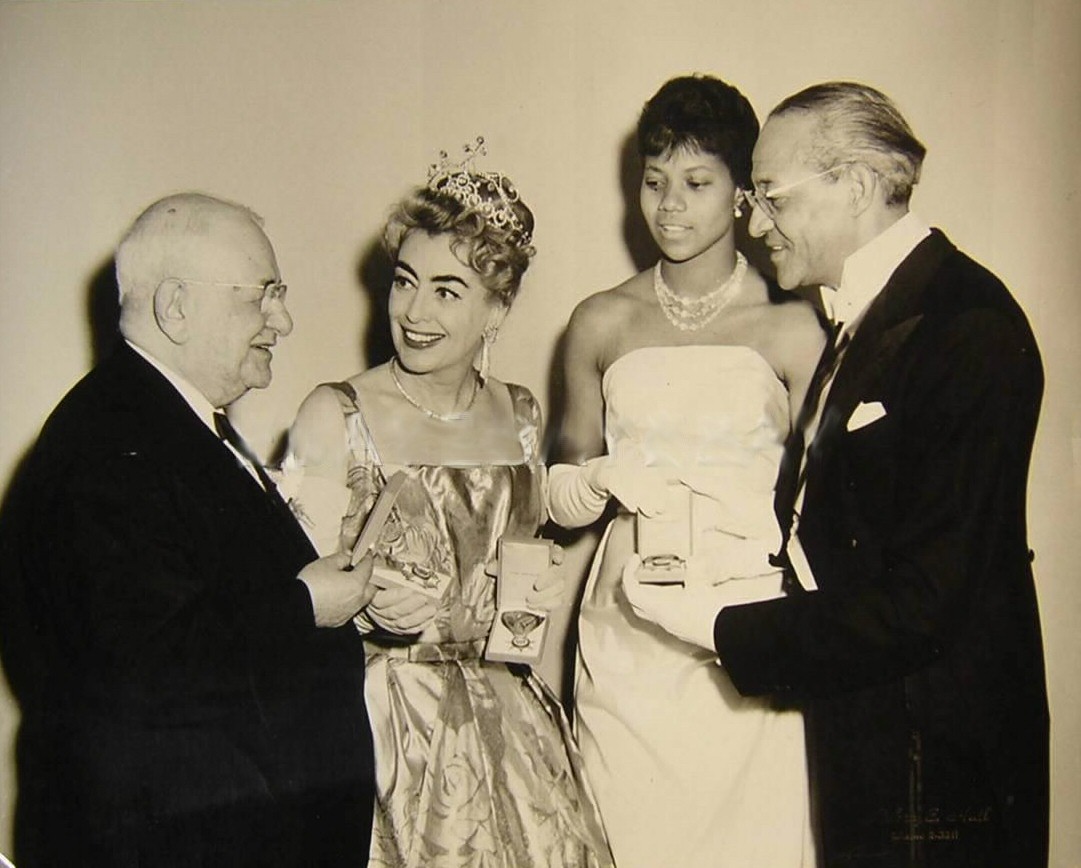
x: 164, y: 238
x: 192, y: 272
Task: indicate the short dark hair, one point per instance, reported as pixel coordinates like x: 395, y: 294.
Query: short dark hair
x: 496, y: 253
x: 703, y: 113
x: 857, y: 123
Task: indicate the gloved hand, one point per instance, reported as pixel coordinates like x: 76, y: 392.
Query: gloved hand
x: 687, y: 612
x: 638, y: 487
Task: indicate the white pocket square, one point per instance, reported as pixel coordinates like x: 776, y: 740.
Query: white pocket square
x: 865, y: 414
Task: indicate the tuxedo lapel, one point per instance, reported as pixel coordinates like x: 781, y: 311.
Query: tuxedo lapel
x: 887, y: 325
x: 859, y: 372
x: 209, y: 464
x: 790, y: 471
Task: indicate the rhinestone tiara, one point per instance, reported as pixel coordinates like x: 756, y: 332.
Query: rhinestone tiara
x: 490, y: 193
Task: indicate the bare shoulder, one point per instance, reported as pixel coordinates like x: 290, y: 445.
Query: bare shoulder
x: 516, y: 398
x: 373, y: 382
x: 600, y: 321
x: 319, y: 426
x: 793, y: 322
x: 605, y: 311
x: 321, y: 404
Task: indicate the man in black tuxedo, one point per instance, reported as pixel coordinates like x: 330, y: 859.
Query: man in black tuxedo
x: 190, y: 681
x: 910, y: 626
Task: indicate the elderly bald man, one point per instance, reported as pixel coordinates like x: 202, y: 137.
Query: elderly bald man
x: 191, y: 684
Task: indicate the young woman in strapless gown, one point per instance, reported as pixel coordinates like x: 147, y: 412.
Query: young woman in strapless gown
x: 688, y: 372
x: 475, y: 763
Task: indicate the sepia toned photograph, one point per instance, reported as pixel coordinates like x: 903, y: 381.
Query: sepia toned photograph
x: 585, y: 433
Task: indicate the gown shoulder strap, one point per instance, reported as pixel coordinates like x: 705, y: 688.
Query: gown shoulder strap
x: 361, y: 443
x: 527, y: 419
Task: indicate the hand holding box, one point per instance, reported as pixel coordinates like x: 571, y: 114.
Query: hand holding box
x: 519, y: 630
x: 665, y: 540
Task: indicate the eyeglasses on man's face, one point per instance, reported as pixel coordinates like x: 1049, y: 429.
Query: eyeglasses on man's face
x: 769, y: 200
x: 272, y: 290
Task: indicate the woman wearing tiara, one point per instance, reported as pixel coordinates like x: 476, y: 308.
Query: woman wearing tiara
x: 475, y: 762
x: 686, y: 378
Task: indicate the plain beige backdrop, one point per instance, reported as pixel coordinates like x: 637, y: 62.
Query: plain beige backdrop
x: 320, y: 114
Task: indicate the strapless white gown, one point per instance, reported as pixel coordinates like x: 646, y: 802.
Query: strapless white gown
x: 686, y: 771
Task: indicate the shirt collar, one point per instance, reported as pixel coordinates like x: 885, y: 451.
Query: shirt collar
x: 867, y: 271
x: 195, y: 399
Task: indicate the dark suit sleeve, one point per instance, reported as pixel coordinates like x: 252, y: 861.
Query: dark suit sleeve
x: 139, y: 586
x: 929, y: 508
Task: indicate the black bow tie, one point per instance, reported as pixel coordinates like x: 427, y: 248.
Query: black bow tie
x: 230, y: 435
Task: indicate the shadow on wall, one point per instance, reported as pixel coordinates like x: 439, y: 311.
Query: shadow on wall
x: 102, y: 315
x: 636, y: 235
x: 102, y: 311
x: 374, y: 274
x: 24, y: 668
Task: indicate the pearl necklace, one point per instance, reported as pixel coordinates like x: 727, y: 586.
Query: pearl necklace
x: 431, y: 414
x: 691, y: 314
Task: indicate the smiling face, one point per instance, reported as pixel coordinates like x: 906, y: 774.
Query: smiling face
x: 438, y: 307
x: 813, y: 229
x: 687, y: 198
x: 230, y: 328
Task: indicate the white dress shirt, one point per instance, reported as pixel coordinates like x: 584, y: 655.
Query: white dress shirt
x: 864, y: 275
x: 867, y: 271
x: 197, y: 401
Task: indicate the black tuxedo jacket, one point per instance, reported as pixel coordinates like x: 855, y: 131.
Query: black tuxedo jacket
x: 179, y: 705
x: 920, y: 654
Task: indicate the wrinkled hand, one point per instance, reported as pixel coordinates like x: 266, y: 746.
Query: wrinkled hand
x: 687, y: 613
x: 401, y: 610
x: 337, y: 593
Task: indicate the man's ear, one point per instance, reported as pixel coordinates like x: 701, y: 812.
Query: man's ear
x: 170, y: 304
x: 863, y: 186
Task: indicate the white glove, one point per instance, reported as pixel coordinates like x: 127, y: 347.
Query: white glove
x: 638, y: 487
x: 687, y: 612
x: 574, y: 500
x: 577, y: 494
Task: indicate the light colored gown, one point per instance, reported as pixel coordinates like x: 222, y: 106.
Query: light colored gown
x: 475, y: 762
x: 686, y: 771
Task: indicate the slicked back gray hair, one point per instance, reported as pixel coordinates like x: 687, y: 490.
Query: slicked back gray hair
x: 856, y: 123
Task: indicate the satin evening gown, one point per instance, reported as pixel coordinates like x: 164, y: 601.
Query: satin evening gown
x: 475, y: 762
x: 686, y: 771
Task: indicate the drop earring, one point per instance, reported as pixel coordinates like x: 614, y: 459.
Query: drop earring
x: 487, y: 339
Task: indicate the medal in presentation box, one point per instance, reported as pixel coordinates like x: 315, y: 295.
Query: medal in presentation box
x: 664, y: 541
x: 417, y: 577
x: 518, y: 632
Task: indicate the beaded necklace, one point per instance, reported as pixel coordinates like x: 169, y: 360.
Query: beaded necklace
x: 691, y: 314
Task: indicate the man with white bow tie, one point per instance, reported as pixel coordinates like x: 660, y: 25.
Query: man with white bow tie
x: 910, y: 628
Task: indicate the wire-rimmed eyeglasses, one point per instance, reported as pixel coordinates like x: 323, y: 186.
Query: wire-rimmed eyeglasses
x: 766, y: 199
x: 273, y: 290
